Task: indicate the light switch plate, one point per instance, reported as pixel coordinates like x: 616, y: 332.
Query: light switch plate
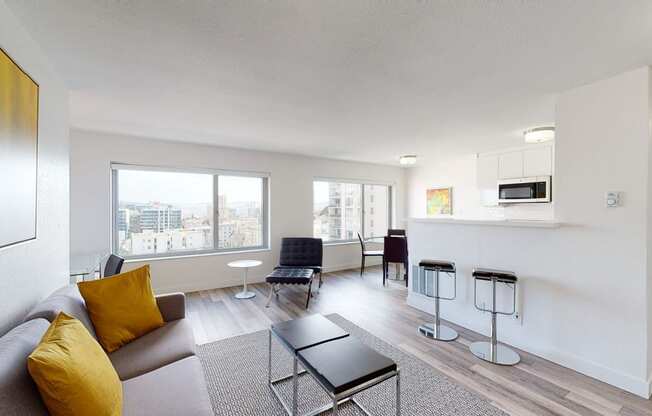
x: 612, y: 199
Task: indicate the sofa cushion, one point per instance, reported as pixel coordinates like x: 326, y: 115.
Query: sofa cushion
x: 164, y: 345
x: 68, y: 300
x: 122, y: 307
x: 73, y: 373
x: 18, y: 393
x: 176, y: 389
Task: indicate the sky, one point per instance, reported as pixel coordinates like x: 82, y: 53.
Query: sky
x: 184, y: 188
x: 320, y: 195
x: 195, y: 188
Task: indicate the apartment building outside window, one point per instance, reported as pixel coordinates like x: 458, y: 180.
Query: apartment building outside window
x: 343, y: 209
x: 160, y: 212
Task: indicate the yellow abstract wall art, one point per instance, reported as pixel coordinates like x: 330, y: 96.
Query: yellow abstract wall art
x: 18, y: 153
x: 439, y: 201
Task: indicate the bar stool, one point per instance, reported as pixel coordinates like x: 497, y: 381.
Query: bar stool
x: 492, y: 351
x: 436, y: 330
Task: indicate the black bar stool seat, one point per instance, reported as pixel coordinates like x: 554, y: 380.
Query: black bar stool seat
x: 501, y: 276
x: 444, y: 266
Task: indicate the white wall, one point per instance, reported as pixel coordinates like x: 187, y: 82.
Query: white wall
x: 31, y: 271
x: 460, y: 172
x: 290, y: 192
x: 584, y: 286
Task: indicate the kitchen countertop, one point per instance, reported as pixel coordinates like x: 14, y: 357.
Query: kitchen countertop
x: 489, y: 222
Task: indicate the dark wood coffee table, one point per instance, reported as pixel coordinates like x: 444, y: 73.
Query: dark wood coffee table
x: 297, y: 335
x: 342, y: 365
x: 345, y: 367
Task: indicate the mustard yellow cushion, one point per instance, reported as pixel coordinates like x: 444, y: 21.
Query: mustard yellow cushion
x: 73, y: 373
x: 122, y: 307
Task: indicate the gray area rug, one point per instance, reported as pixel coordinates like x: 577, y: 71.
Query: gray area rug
x: 236, y: 372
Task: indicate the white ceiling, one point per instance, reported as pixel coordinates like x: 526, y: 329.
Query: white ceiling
x: 360, y: 80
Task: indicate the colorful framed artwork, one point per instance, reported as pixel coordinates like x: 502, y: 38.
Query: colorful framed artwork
x: 439, y: 201
x: 18, y: 153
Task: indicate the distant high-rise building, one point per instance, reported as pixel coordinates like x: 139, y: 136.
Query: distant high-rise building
x: 343, y: 210
x: 123, y: 220
x: 160, y: 218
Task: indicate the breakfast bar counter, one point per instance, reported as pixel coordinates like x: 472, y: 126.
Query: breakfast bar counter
x: 534, y: 250
x: 490, y: 222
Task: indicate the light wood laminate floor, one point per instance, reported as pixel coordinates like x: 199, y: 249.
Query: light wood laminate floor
x: 533, y: 387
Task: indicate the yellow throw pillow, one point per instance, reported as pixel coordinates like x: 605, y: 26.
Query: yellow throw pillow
x: 122, y: 307
x: 73, y: 373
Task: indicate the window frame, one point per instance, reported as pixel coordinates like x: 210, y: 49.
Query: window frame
x: 363, y: 213
x: 215, y: 173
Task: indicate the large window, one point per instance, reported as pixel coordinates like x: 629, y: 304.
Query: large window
x: 160, y: 213
x: 343, y: 209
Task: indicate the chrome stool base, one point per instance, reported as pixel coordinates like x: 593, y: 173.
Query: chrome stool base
x: 445, y: 333
x: 502, y: 354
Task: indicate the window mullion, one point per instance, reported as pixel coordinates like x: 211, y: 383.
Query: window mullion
x: 114, y: 215
x: 216, y: 213
x: 363, y: 213
x: 390, y: 206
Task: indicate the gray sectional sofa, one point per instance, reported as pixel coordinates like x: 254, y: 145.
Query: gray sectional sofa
x: 159, y: 371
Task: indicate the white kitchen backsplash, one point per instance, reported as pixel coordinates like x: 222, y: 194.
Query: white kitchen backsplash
x: 529, y: 211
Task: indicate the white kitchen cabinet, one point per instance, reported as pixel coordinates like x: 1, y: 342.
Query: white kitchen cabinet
x: 510, y: 165
x: 487, y: 179
x: 537, y: 162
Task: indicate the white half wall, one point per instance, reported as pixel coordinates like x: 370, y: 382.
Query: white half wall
x: 583, y: 294
x: 290, y: 202
x: 32, y: 270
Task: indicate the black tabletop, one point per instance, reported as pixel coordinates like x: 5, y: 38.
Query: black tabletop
x: 312, y: 330
x: 345, y: 363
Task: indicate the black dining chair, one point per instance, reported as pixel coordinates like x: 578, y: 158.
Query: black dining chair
x: 113, y: 265
x: 395, y: 251
x: 367, y: 253
x: 396, y: 232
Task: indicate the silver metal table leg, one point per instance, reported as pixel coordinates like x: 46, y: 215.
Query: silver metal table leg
x: 335, y: 406
x: 295, y: 387
x: 269, y: 358
x: 398, y: 393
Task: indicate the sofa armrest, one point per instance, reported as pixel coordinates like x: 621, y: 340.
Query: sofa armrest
x: 172, y: 306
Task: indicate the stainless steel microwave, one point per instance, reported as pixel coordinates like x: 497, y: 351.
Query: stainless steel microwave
x: 524, y: 190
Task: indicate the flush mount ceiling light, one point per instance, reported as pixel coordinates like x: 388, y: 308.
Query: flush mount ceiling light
x: 407, y: 160
x: 539, y: 135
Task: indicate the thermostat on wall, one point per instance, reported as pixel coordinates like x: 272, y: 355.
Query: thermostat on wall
x: 612, y: 199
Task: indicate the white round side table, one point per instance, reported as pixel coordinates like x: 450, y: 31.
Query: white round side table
x: 245, y: 264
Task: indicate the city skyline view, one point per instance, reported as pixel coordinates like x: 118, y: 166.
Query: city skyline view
x: 342, y: 210
x: 166, y: 212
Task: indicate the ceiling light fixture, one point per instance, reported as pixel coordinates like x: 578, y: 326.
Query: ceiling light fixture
x: 539, y: 135
x: 407, y: 160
